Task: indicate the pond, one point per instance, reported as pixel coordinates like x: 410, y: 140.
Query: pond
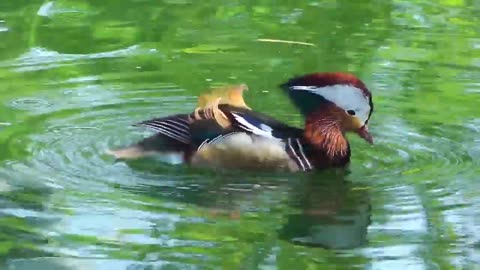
x: 75, y: 75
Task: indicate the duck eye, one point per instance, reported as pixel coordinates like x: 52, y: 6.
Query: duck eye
x: 351, y: 112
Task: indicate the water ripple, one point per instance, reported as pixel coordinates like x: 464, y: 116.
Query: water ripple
x: 3, y: 27
x: 41, y: 58
x: 417, y: 151
x: 30, y: 104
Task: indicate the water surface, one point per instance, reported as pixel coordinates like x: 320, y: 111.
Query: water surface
x: 74, y: 75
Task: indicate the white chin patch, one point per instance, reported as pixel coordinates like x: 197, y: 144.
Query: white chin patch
x: 345, y: 96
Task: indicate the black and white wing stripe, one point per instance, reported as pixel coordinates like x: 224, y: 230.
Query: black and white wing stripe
x: 253, y: 125
x: 175, y: 127
x: 295, y: 150
x: 215, y: 139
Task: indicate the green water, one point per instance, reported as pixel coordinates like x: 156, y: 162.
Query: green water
x: 75, y: 74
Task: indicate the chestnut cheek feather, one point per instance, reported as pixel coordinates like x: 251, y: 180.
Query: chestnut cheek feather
x: 325, y: 133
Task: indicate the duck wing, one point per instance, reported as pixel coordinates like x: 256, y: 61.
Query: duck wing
x: 176, y: 127
x: 204, y: 125
x: 219, y: 114
x: 263, y: 125
x: 238, y: 120
x: 259, y: 123
x: 206, y: 120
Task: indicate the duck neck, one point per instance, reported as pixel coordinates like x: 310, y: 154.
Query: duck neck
x: 323, y: 132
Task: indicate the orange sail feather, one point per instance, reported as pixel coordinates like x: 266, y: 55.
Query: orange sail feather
x: 208, y: 103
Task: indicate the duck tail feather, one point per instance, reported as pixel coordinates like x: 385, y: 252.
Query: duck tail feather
x: 153, y: 145
x: 231, y: 95
x: 130, y: 152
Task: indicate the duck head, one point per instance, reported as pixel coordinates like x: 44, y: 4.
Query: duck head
x: 339, y: 97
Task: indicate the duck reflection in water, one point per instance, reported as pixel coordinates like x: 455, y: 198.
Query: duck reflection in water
x: 331, y: 213
x: 321, y: 209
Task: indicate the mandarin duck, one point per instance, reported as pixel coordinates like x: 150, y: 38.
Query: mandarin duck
x: 223, y: 132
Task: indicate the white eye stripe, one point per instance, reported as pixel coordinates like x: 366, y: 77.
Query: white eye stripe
x: 301, y: 87
x: 345, y: 96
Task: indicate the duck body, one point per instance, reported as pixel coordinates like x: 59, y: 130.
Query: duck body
x: 223, y: 132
